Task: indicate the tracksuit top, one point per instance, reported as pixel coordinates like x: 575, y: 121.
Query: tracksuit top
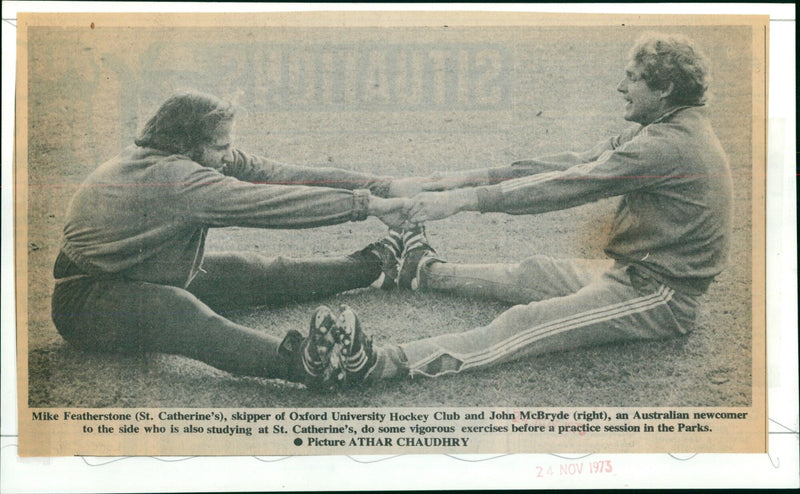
x: 674, y: 218
x: 144, y: 214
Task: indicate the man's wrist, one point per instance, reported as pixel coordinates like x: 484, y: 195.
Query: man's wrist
x: 382, y: 187
x: 378, y: 206
x: 473, y: 177
x: 481, y: 176
x: 466, y: 199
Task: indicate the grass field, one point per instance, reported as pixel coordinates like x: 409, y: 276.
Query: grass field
x: 554, y: 91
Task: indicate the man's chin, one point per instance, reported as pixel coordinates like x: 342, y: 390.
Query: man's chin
x: 632, y: 117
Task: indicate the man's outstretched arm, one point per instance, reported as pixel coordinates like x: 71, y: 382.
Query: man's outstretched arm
x: 212, y: 199
x: 638, y: 163
x: 261, y: 170
x: 439, y: 181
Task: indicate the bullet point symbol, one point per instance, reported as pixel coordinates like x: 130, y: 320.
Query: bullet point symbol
x: 298, y: 441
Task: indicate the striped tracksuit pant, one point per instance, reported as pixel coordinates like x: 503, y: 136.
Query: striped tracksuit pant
x: 561, y: 305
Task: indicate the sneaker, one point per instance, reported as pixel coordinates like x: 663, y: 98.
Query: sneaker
x: 417, y: 253
x: 388, y: 250
x: 315, y: 358
x: 358, y: 359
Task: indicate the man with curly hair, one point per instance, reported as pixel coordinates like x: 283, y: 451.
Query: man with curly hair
x: 670, y: 236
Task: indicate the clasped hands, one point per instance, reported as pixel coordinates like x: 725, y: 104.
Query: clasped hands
x: 417, y: 200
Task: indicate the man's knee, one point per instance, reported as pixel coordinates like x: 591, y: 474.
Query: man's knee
x: 535, y: 267
x: 173, y: 304
x: 229, y: 264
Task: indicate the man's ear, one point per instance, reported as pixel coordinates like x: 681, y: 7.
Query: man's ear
x: 667, y: 92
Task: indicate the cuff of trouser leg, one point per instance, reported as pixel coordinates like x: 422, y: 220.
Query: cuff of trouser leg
x: 289, y: 351
x: 400, y: 361
x: 426, y: 360
x: 391, y: 364
x: 369, y: 261
x: 424, y: 271
x: 360, y: 204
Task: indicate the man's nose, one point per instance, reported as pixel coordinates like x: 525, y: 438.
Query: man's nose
x: 622, y: 87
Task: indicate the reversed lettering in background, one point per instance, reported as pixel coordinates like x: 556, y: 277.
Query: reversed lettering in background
x: 341, y: 77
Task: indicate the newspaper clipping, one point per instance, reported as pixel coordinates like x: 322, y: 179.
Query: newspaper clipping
x: 386, y: 233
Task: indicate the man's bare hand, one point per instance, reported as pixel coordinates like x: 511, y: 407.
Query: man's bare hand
x: 406, y: 187
x: 457, y: 179
x: 392, y: 212
x: 429, y: 206
x: 438, y: 181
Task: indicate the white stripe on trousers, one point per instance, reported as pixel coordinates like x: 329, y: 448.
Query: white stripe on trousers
x: 524, y: 338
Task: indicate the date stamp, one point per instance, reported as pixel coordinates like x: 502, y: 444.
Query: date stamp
x: 588, y: 467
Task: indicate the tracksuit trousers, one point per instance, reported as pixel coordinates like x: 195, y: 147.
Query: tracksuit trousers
x: 114, y: 314
x: 561, y: 305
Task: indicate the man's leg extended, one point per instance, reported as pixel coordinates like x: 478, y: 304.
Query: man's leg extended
x: 607, y: 310
x: 535, y: 278
x: 243, y: 279
x: 131, y: 317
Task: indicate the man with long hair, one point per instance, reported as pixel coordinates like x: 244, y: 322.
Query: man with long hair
x: 132, y: 275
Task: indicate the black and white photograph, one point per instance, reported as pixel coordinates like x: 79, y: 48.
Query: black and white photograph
x: 422, y: 223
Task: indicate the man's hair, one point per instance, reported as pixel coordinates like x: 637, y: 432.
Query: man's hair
x: 670, y: 58
x: 184, y: 121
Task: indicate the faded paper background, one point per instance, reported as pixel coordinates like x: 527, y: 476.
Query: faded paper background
x: 419, y: 94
